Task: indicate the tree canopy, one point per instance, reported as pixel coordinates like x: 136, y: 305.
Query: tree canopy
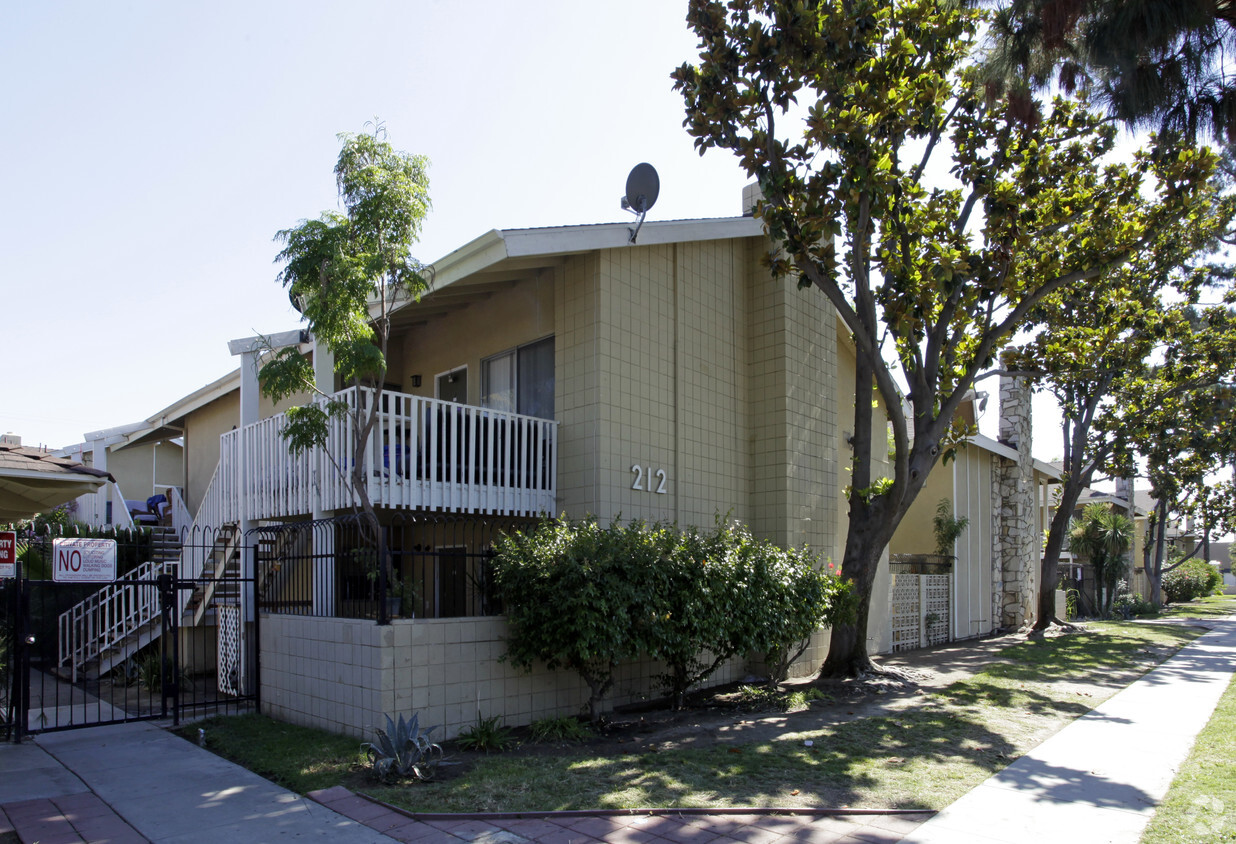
x: 346, y: 272
x: 1152, y: 63
x: 1098, y: 352
x: 930, y: 217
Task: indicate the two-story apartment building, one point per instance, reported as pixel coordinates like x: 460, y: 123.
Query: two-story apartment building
x: 556, y: 370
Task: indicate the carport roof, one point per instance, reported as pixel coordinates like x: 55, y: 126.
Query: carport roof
x: 33, y: 481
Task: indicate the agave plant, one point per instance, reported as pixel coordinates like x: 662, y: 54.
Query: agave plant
x: 403, y: 750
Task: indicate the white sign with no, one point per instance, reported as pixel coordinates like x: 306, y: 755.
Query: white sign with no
x: 83, y: 560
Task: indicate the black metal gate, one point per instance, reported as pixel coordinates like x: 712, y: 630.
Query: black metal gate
x: 147, y: 645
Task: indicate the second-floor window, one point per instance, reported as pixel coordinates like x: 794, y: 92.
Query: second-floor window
x: 521, y: 380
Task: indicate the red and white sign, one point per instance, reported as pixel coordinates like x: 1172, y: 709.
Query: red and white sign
x: 83, y: 560
x: 8, y: 553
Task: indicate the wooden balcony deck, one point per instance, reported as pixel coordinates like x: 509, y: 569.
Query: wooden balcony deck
x: 424, y: 454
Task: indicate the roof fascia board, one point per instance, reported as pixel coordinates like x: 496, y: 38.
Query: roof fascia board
x: 198, y: 398
x: 993, y: 446
x: 263, y: 342
x: 550, y: 241
x: 61, y: 477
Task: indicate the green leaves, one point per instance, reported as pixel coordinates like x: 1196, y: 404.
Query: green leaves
x: 346, y: 272
x: 589, y: 597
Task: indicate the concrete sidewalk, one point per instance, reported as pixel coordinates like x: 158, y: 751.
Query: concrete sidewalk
x: 1100, y: 778
x: 137, y: 782
x: 133, y: 783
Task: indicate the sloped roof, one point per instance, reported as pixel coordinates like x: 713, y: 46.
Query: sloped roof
x: 33, y: 481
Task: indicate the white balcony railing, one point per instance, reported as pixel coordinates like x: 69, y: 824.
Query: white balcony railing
x: 422, y: 454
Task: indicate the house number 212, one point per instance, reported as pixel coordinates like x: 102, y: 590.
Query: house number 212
x: 643, y: 479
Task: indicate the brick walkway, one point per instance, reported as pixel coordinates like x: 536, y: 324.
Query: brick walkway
x: 621, y: 829
x: 71, y: 819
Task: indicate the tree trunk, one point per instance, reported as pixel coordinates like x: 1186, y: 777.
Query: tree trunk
x: 1049, y: 572
x: 847, y: 650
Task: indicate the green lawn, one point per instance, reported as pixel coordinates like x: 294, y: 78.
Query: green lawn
x: 1201, y: 804
x: 1213, y: 606
x: 924, y: 756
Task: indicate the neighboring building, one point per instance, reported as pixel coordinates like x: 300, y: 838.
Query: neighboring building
x: 143, y: 462
x: 557, y: 370
x: 33, y: 480
x: 991, y: 580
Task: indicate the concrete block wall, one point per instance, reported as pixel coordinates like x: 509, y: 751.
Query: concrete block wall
x: 324, y: 672
x: 345, y: 675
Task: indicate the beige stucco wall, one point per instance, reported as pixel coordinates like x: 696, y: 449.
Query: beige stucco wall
x: 506, y: 319
x: 344, y: 675
x: 916, y: 533
x: 141, y: 470
x: 202, y: 429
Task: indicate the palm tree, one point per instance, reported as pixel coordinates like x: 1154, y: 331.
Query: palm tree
x: 1103, y: 535
x: 1152, y: 63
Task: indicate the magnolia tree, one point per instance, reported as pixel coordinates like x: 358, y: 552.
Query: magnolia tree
x: 930, y: 218
x: 1180, y: 424
x: 347, y: 271
x: 1098, y: 352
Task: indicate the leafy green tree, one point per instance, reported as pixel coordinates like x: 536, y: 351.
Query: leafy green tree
x: 1180, y: 423
x: 848, y: 113
x: 1096, y: 353
x: 1103, y: 535
x: 347, y: 271
x: 1152, y: 63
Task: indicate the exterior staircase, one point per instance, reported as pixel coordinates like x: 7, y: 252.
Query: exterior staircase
x: 116, y: 622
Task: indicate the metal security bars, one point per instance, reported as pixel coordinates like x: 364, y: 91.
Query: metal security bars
x: 82, y: 654
x: 438, y: 567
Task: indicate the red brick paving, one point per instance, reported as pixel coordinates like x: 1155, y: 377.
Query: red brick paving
x: 73, y: 819
x: 626, y: 829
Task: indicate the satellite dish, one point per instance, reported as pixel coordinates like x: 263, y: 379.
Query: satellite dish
x: 643, y: 188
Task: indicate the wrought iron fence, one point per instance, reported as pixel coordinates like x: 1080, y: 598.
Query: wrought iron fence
x: 435, y: 566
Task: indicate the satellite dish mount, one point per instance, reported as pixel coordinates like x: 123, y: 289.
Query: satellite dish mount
x: 643, y: 187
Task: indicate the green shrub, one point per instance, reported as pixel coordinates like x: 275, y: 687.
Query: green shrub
x: 1129, y: 604
x: 559, y: 729
x: 576, y: 596
x: 1192, y: 579
x: 486, y: 734
x: 587, y: 597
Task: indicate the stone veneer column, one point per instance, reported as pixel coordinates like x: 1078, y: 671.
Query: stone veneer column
x: 1017, y: 535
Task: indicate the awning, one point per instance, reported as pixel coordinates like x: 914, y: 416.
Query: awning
x: 33, y: 481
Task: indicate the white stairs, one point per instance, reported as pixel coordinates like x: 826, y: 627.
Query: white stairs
x: 116, y: 622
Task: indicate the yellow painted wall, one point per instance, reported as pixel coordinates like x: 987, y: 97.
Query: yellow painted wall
x: 202, y: 430
x: 133, y: 469
x: 915, y: 534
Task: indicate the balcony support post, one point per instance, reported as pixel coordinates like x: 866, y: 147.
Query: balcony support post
x: 323, y: 538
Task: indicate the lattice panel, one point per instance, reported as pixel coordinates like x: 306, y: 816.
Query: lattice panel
x: 905, y: 612
x: 231, y: 653
x: 936, y: 606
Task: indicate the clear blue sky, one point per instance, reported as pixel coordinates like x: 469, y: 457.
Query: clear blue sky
x: 153, y: 149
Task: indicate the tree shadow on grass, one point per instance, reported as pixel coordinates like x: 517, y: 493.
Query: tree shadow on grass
x: 917, y: 759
